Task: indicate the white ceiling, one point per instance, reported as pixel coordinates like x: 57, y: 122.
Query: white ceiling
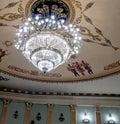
x: 107, y: 85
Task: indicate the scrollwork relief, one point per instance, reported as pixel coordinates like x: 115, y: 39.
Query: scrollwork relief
x: 88, y: 36
x: 99, y: 37
x: 7, y: 43
x: 13, y: 16
x: 9, y: 5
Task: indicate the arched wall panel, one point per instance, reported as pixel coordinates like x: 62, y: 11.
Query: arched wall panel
x: 15, y: 113
x: 38, y: 114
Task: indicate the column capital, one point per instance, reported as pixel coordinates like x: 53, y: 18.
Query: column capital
x: 97, y: 108
x: 50, y: 107
x: 6, y: 102
x: 50, y: 110
x: 73, y: 107
x: 28, y: 105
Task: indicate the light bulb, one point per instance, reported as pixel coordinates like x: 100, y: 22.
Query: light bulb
x: 77, y: 29
x: 20, y: 30
x: 62, y: 21
x: 71, y: 29
x: 32, y: 28
x: 37, y: 17
x: 25, y: 29
x: 80, y: 38
x: 59, y: 26
x: 20, y: 41
x: 66, y: 27
x: 76, y: 38
x: 33, y: 23
x: 75, y: 41
x: 29, y: 19
x: 46, y: 19
x: 39, y: 23
x: 18, y: 34
x: 26, y: 23
x: 42, y: 21
x: 52, y: 17
x: 70, y: 25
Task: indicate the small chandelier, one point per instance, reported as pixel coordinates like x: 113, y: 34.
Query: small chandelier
x: 86, y: 118
x: 111, y: 119
x: 47, y: 42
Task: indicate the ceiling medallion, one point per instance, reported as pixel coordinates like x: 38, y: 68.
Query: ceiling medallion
x: 67, y: 5
x: 45, y: 39
x: 45, y: 8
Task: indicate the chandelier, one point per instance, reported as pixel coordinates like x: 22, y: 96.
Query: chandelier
x: 48, y: 42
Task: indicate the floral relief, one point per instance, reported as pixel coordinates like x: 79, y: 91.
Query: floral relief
x: 13, y: 16
x: 98, y: 38
x: 9, y: 5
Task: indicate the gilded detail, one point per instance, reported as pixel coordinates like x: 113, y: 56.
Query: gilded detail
x: 112, y: 65
x: 10, y: 16
x: 43, y: 9
x: 33, y: 72
x: 13, y: 16
x: 7, y: 43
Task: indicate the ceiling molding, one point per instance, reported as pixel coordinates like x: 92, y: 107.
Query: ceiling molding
x: 62, y: 99
x: 74, y: 81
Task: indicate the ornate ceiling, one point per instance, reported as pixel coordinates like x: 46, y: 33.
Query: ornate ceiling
x: 99, y: 55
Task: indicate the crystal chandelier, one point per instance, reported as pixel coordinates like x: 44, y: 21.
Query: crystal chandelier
x: 47, y: 42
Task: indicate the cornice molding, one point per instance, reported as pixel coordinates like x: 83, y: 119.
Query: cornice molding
x: 61, y: 99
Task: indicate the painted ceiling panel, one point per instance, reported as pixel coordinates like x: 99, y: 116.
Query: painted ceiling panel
x: 99, y: 55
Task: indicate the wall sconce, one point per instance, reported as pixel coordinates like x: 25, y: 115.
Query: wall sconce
x: 85, y: 119
x: 111, y: 120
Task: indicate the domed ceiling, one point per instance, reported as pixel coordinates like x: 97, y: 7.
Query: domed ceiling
x: 99, y: 23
